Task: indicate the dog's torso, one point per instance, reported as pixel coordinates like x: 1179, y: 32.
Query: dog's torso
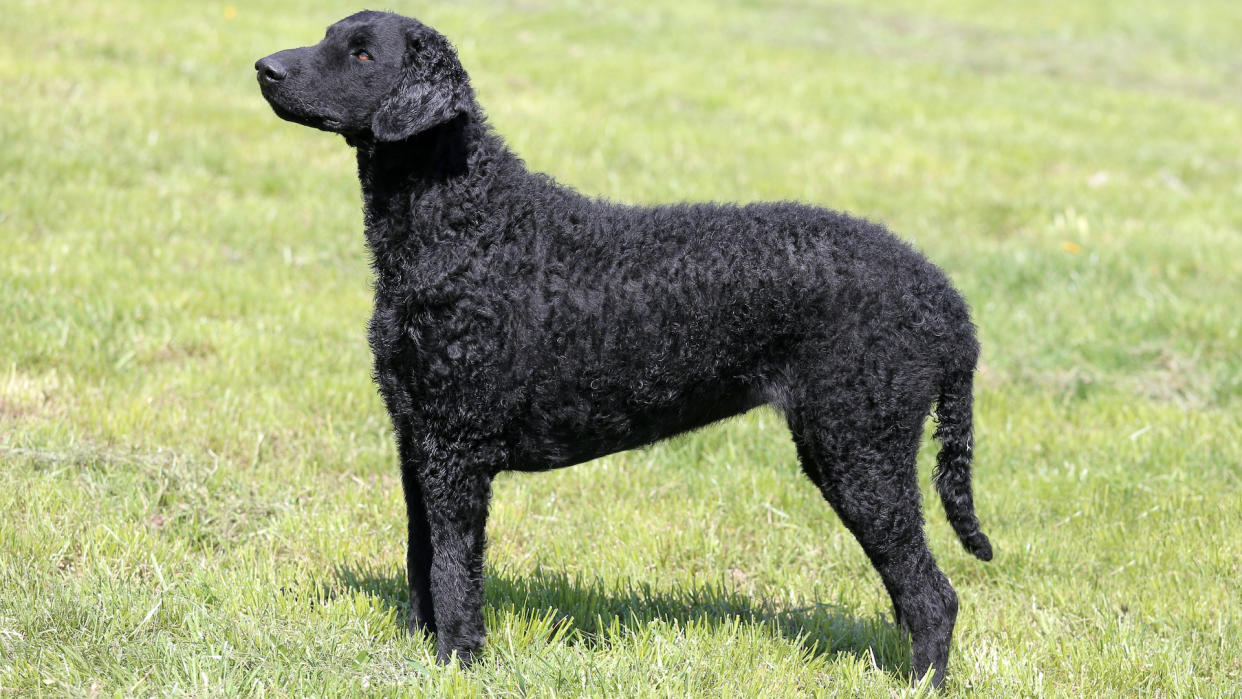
x: 585, y: 327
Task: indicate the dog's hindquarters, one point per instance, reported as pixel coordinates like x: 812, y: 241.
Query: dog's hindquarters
x: 857, y: 393
x: 857, y: 440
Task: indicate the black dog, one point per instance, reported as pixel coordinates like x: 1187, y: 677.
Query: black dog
x: 520, y: 325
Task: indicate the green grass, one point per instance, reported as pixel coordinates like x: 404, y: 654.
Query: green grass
x: 198, y: 492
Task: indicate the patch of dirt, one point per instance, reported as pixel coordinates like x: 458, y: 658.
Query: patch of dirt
x: 24, y: 395
x: 179, y: 351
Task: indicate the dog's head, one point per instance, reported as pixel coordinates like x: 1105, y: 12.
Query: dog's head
x: 374, y: 74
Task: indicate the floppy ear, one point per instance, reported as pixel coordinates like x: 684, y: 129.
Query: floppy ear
x: 432, y: 89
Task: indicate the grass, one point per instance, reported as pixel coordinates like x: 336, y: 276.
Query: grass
x: 198, y: 493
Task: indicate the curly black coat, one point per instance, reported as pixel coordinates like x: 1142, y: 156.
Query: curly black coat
x: 520, y: 325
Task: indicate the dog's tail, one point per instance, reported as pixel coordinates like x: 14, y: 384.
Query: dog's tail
x: 953, y: 413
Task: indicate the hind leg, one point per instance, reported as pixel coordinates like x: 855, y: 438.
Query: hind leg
x: 867, y: 473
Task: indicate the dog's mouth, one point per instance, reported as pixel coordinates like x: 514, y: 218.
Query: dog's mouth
x: 323, y: 122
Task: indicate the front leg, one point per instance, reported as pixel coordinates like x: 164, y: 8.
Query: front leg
x: 418, y: 554
x: 456, y: 496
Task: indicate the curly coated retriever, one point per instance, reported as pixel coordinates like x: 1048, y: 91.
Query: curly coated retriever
x: 520, y: 325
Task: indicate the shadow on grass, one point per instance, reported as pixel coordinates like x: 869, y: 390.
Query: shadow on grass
x: 594, y: 612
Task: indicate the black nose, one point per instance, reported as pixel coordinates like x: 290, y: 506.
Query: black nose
x: 270, y: 70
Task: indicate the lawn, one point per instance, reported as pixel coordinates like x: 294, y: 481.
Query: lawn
x: 198, y: 489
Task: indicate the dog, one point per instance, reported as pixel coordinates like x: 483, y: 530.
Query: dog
x: 521, y: 325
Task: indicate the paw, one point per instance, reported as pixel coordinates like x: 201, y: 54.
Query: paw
x: 463, y: 655
x: 417, y: 626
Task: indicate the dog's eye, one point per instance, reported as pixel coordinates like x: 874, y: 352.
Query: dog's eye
x: 363, y: 55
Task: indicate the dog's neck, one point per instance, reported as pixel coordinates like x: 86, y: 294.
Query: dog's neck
x: 419, y: 162
x: 431, y: 186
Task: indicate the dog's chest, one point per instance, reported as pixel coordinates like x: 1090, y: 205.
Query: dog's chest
x: 438, y: 326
